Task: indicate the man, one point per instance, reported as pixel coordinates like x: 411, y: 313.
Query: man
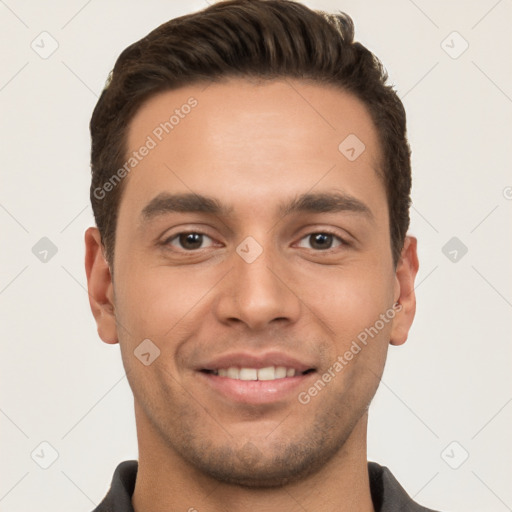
x: 251, y: 189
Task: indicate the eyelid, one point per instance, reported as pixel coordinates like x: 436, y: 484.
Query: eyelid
x: 168, y: 239
x: 180, y: 229
x: 342, y: 239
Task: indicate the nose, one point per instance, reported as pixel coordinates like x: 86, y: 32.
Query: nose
x: 258, y: 294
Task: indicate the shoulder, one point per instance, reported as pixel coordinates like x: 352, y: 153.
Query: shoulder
x: 119, y: 497
x: 387, y: 494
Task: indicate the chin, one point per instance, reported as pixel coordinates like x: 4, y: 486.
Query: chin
x: 257, y: 466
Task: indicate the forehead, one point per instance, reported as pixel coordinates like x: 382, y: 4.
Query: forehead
x: 265, y: 140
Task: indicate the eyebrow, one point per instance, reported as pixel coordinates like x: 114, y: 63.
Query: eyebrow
x: 324, y: 202
x: 182, y: 203
x: 332, y: 202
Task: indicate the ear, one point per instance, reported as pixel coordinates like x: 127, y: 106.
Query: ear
x: 99, y: 284
x: 406, y: 271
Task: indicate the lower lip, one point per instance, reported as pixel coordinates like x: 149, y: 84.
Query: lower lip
x: 256, y: 391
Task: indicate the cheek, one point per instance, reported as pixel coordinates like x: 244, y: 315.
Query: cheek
x: 351, y: 307
x: 349, y: 299
x: 153, y: 301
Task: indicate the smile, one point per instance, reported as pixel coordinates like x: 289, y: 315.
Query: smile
x: 267, y: 373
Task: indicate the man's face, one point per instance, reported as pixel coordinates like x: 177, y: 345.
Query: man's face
x: 253, y: 285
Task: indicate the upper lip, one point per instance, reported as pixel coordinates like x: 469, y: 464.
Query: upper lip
x: 247, y: 360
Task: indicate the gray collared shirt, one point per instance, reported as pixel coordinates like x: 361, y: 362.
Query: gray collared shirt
x: 387, y: 494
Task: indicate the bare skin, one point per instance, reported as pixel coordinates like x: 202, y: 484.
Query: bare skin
x: 305, y: 297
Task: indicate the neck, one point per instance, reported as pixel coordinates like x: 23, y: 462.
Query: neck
x: 165, y: 481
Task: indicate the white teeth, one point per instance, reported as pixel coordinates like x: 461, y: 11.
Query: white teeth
x: 280, y: 372
x: 248, y: 374
x: 268, y: 373
x: 233, y: 373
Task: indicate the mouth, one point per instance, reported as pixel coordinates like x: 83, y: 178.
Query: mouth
x: 268, y: 373
x: 252, y: 379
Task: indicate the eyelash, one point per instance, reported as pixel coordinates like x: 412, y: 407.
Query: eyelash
x: 344, y: 243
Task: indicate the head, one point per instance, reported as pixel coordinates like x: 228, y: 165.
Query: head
x: 284, y: 242
x: 256, y: 40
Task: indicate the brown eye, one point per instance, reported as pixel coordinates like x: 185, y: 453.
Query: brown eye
x: 322, y: 241
x: 188, y: 241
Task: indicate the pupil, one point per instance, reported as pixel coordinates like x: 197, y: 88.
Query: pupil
x: 191, y: 240
x: 322, y: 237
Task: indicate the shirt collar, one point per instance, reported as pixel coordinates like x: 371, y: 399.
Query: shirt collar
x: 387, y: 494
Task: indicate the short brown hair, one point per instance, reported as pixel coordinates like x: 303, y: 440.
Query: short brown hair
x: 256, y: 39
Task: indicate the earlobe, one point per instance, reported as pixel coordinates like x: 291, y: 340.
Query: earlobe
x: 406, y: 271
x: 100, y: 287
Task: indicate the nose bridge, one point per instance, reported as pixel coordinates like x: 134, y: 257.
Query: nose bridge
x: 256, y: 278
x: 257, y: 293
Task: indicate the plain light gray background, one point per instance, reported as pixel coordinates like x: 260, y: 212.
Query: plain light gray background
x: 446, y: 394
